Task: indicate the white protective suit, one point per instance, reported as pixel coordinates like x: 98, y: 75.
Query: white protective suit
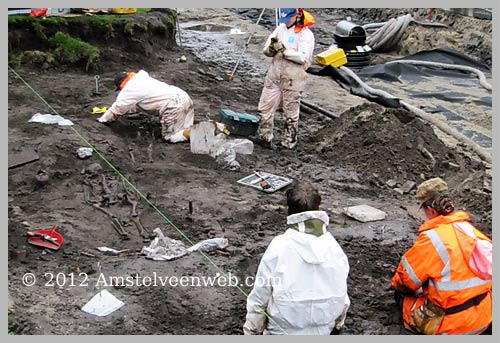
x: 301, y: 281
x: 172, y: 104
x: 285, y: 80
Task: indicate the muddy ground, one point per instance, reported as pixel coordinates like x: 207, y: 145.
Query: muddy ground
x: 364, y: 157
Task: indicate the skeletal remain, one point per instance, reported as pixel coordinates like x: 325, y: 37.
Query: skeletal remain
x: 427, y: 154
x: 131, y: 153
x: 150, y: 153
x: 131, y: 199
x: 110, y: 196
x: 114, y: 220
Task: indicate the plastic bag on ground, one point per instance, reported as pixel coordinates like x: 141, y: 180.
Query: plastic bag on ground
x: 163, y: 248
x: 223, y: 149
x: 50, y: 119
x: 210, y: 244
x: 84, y: 152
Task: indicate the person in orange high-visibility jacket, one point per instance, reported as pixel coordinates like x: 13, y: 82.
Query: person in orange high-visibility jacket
x: 434, y: 268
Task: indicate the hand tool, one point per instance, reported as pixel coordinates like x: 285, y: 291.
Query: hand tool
x: 264, y: 184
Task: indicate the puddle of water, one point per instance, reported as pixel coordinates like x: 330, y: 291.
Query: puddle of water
x: 215, y: 28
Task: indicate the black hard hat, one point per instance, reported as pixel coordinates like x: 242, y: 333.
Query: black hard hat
x: 119, y: 77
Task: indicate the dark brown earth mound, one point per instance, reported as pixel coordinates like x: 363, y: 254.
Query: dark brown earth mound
x: 393, y: 144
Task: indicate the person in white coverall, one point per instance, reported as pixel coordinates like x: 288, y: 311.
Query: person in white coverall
x: 291, y: 46
x: 139, y: 91
x: 301, y: 281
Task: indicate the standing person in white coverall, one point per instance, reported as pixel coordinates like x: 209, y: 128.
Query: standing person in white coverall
x: 301, y: 281
x: 291, y: 46
x: 139, y: 91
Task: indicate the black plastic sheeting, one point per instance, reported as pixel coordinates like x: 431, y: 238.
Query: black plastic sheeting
x: 396, y: 72
x: 454, y: 88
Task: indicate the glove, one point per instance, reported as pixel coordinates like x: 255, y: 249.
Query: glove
x: 178, y: 137
x: 276, y: 45
x: 97, y: 110
x: 280, y: 47
x: 106, y: 117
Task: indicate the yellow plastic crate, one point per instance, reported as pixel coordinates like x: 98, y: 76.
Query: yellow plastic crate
x: 124, y: 10
x: 334, y: 56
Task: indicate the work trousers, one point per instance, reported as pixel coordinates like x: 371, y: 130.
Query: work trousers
x: 272, y: 94
x: 176, y: 115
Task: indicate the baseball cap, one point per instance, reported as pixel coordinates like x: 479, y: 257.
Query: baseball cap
x: 119, y: 77
x: 286, y: 14
x: 428, y: 189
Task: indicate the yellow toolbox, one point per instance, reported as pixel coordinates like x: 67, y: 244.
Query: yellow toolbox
x: 334, y: 56
x: 124, y: 10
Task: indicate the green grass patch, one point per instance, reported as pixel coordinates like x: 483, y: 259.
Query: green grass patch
x: 69, y: 49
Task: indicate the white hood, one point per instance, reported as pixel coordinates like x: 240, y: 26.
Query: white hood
x: 306, y: 292
x: 313, y: 249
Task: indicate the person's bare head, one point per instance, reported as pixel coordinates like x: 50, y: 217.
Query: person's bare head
x: 301, y: 197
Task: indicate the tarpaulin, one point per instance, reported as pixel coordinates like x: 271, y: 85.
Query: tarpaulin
x: 456, y: 95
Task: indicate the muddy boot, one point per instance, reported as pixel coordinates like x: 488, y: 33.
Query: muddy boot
x: 263, y: 143
x: 289, y: 138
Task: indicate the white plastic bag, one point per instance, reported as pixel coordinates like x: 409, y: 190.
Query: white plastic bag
x: 163, y: 248
x: 210, y: 244
x: 224, y: 149
x: 50, y: 119
x: 84, y: 152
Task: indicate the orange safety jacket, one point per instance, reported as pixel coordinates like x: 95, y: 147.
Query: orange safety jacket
x: 435, y: 263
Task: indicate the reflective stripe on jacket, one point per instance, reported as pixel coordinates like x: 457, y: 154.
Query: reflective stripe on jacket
x: 435, y: 263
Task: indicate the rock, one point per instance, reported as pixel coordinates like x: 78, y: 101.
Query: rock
x: 17, y: 211
x: 408, y: 186
x: 201, y: 71
x: 487, y: 186
x: 399, y: 191
x: 26, y: 224
x: 218, y: 78
x: 183, y: 59
x: 391, y: 183
x: 349, y: 321
x: 211, y: 74
x: 93, y: 169
x: 42, y: 177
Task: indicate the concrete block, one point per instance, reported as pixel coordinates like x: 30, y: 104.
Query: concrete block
x: 364, y: 213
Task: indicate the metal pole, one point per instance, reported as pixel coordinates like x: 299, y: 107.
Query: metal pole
x: 231, y: 76
x: 276, y: 10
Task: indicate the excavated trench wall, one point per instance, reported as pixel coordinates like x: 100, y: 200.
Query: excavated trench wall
x: 88, y: 40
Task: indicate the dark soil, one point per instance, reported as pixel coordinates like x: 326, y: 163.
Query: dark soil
x: 349, y: 159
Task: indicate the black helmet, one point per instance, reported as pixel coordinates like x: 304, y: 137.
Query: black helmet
x: 119, y: 79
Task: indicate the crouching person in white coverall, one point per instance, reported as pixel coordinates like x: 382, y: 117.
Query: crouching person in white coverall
x: 291, y: 46
x: 139, y: 91
x: 301, y: 281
